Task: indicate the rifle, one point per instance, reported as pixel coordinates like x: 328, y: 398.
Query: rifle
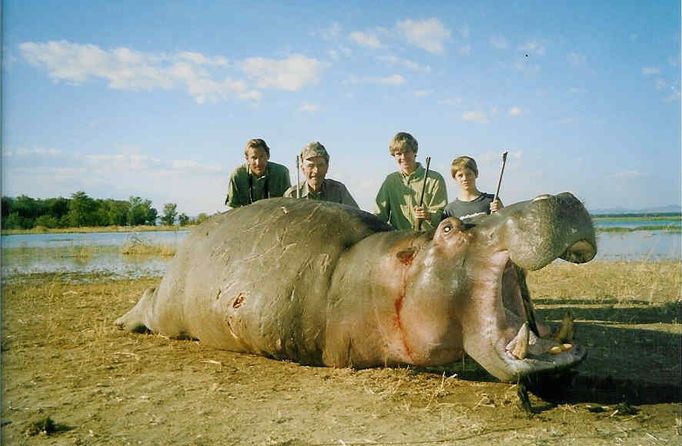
x: 499, y: 180
x: 421, y: 197
x: 298, y: 178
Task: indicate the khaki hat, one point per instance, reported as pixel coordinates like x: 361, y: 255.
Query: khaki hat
x: 314, y: 149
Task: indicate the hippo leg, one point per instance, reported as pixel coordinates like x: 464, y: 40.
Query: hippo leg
x: 134, y: 320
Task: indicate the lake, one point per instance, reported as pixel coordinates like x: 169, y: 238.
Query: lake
x: 50, y: 253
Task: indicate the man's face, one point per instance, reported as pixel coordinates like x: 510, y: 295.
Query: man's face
x: 257, y: 160
x: 406, y: 160
x: 466, y: 178
x: 315, y: 169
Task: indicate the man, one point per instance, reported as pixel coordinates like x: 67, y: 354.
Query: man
x: 397, y: 201
x: 470, y: 202
x: 314, y: 165
x: 257, y: 178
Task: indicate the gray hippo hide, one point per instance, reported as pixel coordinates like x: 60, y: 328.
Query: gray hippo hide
x: 323, y: 284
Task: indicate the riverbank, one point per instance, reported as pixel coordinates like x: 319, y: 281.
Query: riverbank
x: 95, y: 229
x: 64, y: 360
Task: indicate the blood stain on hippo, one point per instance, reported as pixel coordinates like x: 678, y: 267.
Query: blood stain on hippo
x: 239, y: 301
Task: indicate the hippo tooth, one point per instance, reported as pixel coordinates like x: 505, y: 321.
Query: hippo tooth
x: 555, y: 350
x: 519, y: 345
x: 565, y: 332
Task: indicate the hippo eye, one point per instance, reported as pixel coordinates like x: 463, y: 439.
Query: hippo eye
x: 447, y: 228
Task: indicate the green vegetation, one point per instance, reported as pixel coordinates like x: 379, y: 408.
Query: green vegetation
x: 81, y: 211
x: 139, y: 247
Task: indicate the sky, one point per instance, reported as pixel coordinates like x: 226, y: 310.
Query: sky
x: 157, y: 98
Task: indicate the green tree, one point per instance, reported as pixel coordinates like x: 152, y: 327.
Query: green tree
x: 170, y: 211
x: 201, y: 218
x: 141, y: 212
x: 183, y: 219
x: 82, y: 210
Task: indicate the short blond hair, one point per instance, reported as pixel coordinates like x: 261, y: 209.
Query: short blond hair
x: 403, y: 141
x: 257, y: 143
x: 463, y: 162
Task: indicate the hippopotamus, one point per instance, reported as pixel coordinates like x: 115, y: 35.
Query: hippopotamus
x: 324, y: 284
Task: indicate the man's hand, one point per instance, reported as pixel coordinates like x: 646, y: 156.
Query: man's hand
x: 422, y: 213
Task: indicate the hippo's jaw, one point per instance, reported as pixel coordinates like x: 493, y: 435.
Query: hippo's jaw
x: 499, y: 326
x: 501, y: 337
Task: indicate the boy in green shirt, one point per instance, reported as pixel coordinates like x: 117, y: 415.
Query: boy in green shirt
x: 397, y: 201
x: 258, y: 178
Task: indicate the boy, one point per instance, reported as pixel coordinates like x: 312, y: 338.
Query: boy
x: 470, y: 202
x: 257, y: 178
x: 397, y: 201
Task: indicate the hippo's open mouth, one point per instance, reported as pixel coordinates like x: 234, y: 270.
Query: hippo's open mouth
x: 513, y: 342
x: 506, y: 337
x: 528, y: 345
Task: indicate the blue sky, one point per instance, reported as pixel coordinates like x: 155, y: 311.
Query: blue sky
x: 157, y: 98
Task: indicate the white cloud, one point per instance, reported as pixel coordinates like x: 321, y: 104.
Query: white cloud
x: 475, y: 116
x: 627, y: 175
x: 648, y: 71
x: 196, y: 73
x: 37, y: 151
x: 429, y: 34
x: 193, y: 167
x: 498, y: 42
x: 406, y: 63
x: 332, y: 32
x: 515, y: 111
x: 452, y: 102
x: 308, y: 108
x: 292, y: 73
x: 575, y: 59
x: 121, y: 162
x: 464, y: 50
x: 423, y: 93
x: 533, y: 47
x: 369, y: 40
x: 392, y: 80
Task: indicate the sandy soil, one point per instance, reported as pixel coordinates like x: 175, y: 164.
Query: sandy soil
x: 62, y: 358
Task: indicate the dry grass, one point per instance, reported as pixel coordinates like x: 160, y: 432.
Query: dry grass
x: 625, y: 282
x: 139, y: 247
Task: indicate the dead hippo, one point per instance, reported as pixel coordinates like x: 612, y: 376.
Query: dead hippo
x: 320, y: 283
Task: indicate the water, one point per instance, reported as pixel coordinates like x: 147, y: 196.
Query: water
x: 631, y: 223
x: 65, y: 253
x: 53, y: 253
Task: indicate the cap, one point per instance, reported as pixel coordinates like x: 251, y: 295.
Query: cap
x: 314, y: 149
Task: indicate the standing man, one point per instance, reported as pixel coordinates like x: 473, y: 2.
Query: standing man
x: 257, y: 178
x: 397, y: 201
x: 314, y: 165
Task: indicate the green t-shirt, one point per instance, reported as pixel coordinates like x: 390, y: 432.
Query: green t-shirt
x: 331, y: 190
x: 245, y: 188
x: 399, y: 195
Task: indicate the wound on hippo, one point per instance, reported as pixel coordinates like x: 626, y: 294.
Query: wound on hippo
x: 406, y: 255
x: 238, y: 301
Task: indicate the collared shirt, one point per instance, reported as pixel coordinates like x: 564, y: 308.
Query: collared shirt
x: 331, y: 190
x: 245, y: 188
x: 399, y: 195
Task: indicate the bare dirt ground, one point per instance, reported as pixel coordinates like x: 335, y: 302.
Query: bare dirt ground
x: 62, y: 358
